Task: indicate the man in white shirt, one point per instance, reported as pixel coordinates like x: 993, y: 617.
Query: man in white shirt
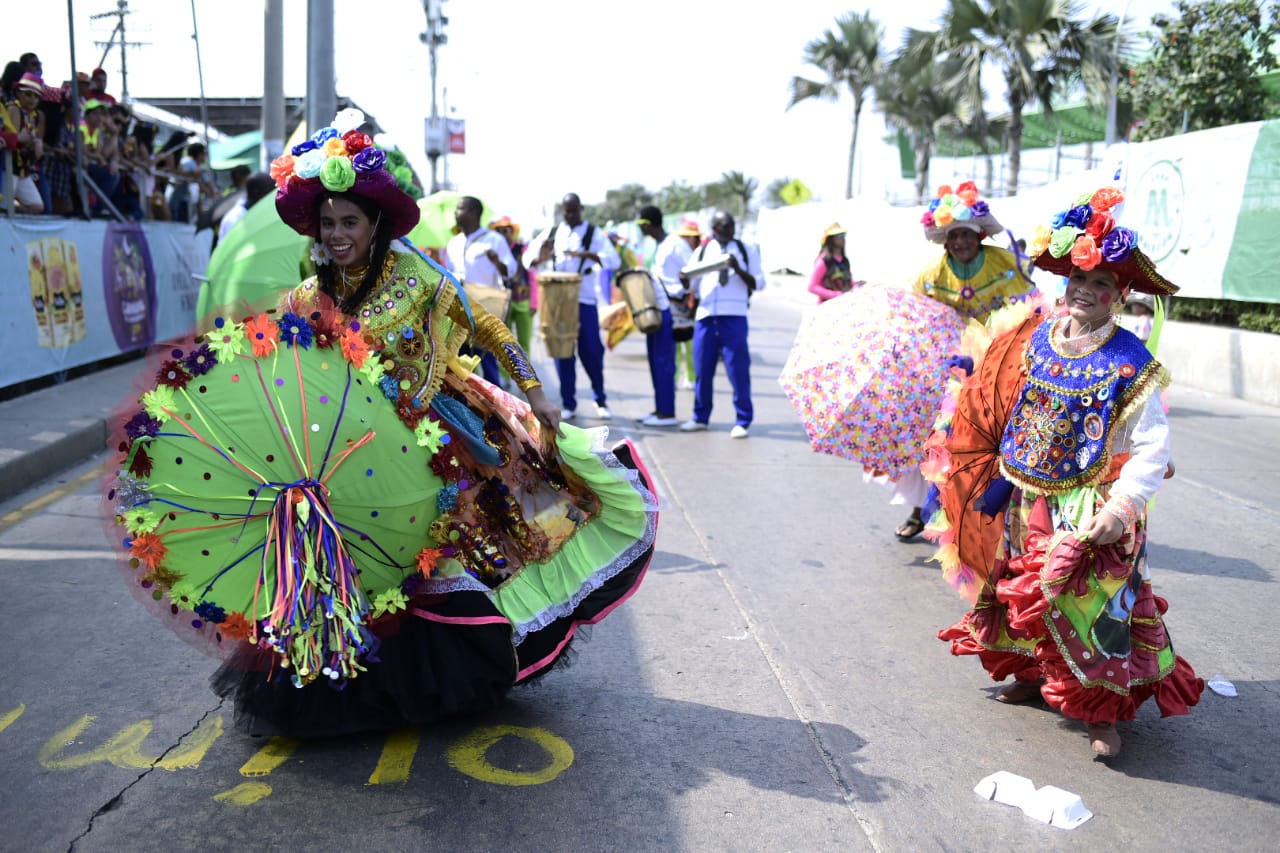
x: 672, y: 254
x: 720, y: 324
x: 256, y: 187
x: 578, y: 246
x: 479, y: 256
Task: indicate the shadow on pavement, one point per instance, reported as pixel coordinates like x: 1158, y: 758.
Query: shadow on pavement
x: 1196, y: 562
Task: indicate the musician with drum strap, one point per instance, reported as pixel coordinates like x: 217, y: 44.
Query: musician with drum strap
x: 725, y: 272
x: 481, y: 259
x: 577, y: 246
x: 671, y: 254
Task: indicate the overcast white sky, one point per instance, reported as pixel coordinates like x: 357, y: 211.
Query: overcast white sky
x: 558, y: 95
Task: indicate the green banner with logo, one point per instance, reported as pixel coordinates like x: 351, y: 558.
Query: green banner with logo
x: 1252, y: 270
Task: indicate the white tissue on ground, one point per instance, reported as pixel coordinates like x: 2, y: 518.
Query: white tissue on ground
x: 1219, y: 684
x: 1050, y: 805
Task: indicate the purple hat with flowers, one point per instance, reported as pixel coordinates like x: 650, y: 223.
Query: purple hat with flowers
x: 1085, y: 235
x: 339, y: 159
x: 958, y: 208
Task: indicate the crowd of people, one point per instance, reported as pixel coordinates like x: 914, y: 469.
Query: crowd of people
x: 130, y: 171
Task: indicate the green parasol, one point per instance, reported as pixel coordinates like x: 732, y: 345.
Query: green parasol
x: 255, y: 495
x: 435, y: 228
x: 260, y: 257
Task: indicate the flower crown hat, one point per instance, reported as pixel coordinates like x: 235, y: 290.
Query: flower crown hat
x: 1085, y: 235
x: 339, y: 159
x: 958, y: 208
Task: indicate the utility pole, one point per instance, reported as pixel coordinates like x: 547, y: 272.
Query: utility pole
x: 434, y: 38
x: 322, y: 97
x: 122, y: 9
x: 272, y: 83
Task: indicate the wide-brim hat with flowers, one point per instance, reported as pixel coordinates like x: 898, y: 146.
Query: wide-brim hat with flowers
x: 958, y: 208
x: 339, y: 159
x: 505, y: 222
x: 30, y: 82
x: 1085, y: 235
x: 688, y: 228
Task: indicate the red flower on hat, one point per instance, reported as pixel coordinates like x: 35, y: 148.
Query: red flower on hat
x: 356, y: 141
x: 1106, y: 198
x: 282, y: 169
x: 1099, y: 224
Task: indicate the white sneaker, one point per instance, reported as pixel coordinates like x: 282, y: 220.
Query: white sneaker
x: 685, y: 384
x: 656, y: 420
x: 603, y: 413
x: 693, y: 426
x: 567, y: 414
x: 738, y: 431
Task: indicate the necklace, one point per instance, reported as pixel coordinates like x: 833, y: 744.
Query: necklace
x: 350, y: 279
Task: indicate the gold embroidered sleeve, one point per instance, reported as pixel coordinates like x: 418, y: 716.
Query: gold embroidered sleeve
x: 493, y: 335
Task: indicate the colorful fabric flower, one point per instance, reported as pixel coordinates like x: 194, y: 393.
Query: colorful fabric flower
x: 309, y: 164
x: 354, y: 348
x: 927, y: 219
x: 369, y: 160
x: 374, y: 370
x: 227, y: 342
x: 356, y: 141
x: 1099, y: 224
x: 390, y: 601
x: 183, y: 595
x: 447, y: 498
x: 943, y: 217
x: 296, y: 331
x: 427, y: 558
x: 1118, y: 245
x: 1039, y: 241
x: 303, y: 147
x: 148, y: 549
x: 390, y: 386
x: 140, y: 465
x: 961, y: 212
x: 323, y: 135
x: 347, y: 120
x: 211, y: 612
x: 140, y: 520
x: 1106, y: 198
x: 944, y: 191
x: 320, y: 254
x: 980, y: 209
x: 282, y: 170
x: 338, y: 175
x: 200, y: 360
x: 173, y: 374
x: 158, y: 402
x: 261, y: 334
x: 236, y: 627
x: 430, y: 434
x: 1061, y: 241
x: 335, y: 147
x: 141, y: 425
x: 1085, y: 253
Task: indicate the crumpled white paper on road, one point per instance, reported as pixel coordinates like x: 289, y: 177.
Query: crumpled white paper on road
x: 1050, y: 805
x: 1219, y: 684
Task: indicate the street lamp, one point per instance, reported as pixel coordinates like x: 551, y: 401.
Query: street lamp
x: 433, y: 38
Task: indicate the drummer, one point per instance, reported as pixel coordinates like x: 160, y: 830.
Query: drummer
x: 671, y: 254
x: 577, y: 246
x: 479, y: 256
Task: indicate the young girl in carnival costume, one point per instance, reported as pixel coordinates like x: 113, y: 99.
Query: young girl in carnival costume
x: 370, y: 534
x: 1058, y: 433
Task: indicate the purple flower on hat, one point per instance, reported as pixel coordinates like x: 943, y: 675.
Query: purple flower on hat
x: 1118, y: 245
x: 303, y: 147
x: 980, y: 209
x: 323, y: 135
x: 369, y: 160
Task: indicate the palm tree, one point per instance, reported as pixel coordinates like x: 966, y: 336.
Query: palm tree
x: 1040, y: 47
x: 733, y: 192
x: 850, y: 57
x: 914, y: 99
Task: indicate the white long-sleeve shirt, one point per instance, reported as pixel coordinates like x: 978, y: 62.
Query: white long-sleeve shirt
x: 466, y: 256
x: 731, y: 298
x: 570, y: 240
x: 671, y: 256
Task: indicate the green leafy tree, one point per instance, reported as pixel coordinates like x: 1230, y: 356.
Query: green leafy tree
x: 1204, y: 66
x: 850, y: 57
x: 1040, y: 48
x: 619, y: 204
x: 680, y: 196
x: 913, y: 98
x: 733, y: 192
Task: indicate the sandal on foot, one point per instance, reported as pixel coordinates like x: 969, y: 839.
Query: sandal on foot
x: 909, y: 529
x: 1019, y: 691
x: 1104, y: 739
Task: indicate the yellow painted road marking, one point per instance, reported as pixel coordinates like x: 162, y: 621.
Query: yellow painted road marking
x: 124, y: 749
x: 271, y: 756
x: 469, y: 755
x: 396, y: 759
x: 244, y: 794
x: 22, y: 513
x: 8, y: 719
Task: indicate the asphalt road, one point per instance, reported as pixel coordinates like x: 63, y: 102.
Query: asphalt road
x: 774, y: 685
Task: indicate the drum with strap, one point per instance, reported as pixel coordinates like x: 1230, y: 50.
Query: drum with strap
x: 495, y: 300
x: 637, y: 290
x: 558, y: 309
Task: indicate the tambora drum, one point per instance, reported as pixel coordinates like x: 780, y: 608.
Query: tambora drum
x: 637, y: 290
x: 558, y: 310
x: 495, y: 300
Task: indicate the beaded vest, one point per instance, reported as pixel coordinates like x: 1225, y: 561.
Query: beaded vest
x: 1059, y: 434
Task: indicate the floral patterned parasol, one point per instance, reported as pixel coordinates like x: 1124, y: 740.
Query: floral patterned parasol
x: 867, y: 374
